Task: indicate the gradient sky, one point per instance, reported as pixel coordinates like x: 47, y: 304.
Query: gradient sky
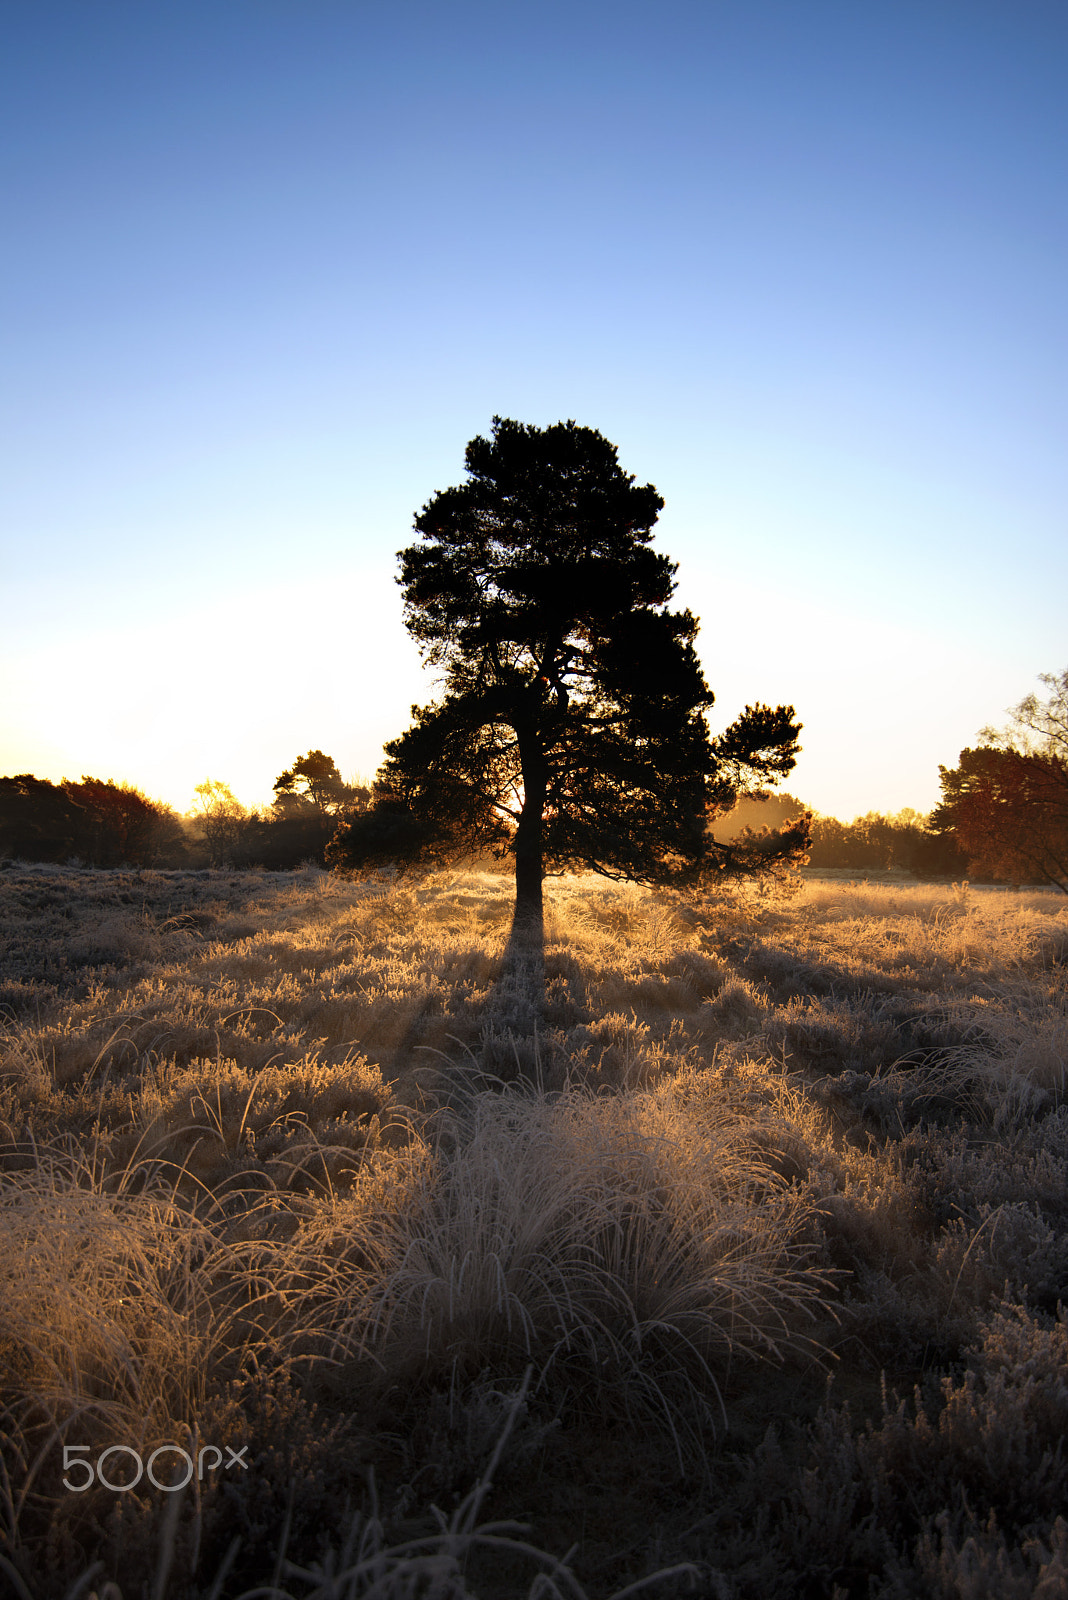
x: 269, y: 264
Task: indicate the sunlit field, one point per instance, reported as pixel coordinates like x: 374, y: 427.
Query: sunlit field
x: 722, y: 1247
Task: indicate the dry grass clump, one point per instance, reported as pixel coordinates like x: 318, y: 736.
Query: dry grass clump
x: 620, y: 1242
x: 323, y: 1167
x: 211, y: 1123
x: 113, y: 1319
x: 73, y: 1253
x: 453, y: 1562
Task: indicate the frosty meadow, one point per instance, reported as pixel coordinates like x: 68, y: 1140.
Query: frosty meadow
x: 767, y: 1191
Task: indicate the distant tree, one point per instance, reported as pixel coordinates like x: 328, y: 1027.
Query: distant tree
x: 1006, y: 803
x: 1008, y: 812
x: 39, y: 821
x: 314, y: 780
x: 310, y: 799
x: 389, y: 834
x: 873, y: 842
x: 756, y: 812
x: 1037, y: 727
x: 937, y: 855
x: 98, y: 822
x: 222, y: 821
x: 125, y: 827
x: 830, y: 843
x: 571, y: 727
x: 876, y: 842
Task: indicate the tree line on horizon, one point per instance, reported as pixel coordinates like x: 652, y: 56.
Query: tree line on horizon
x: 1003, y: 818
x: 101, y: 823
x: 570, y: 728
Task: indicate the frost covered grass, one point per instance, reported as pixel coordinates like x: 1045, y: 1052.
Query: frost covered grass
x: 726, y: 1234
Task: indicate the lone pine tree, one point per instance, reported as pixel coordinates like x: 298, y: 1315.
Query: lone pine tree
x: 571, y: 724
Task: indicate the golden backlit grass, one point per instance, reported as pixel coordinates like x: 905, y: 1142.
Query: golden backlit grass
x: 289, y: 1154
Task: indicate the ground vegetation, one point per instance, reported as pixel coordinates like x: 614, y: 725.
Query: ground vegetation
x: 727, y: 1248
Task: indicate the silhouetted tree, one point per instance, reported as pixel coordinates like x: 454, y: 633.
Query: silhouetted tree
x: 125, y: 827
x: 39, y: 821
x: 315, y: 780
x: 98, y: 822
x: 310, y: 798
x: 222, y: 821
x: 571, y: 726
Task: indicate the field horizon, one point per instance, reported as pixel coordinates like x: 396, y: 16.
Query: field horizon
x: 769, y: 1186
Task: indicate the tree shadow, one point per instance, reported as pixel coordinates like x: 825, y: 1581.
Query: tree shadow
x: 513, y: 1025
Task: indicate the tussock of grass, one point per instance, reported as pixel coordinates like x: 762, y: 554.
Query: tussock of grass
x: 112, y: 1319
x: 606, y: 1238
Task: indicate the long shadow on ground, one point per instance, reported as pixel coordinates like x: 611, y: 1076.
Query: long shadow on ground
x: 514, y: 1023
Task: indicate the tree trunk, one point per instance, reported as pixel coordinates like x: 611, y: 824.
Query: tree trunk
x: 528, y: 887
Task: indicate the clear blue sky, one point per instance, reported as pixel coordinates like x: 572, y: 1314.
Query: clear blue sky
x: 269, y: 264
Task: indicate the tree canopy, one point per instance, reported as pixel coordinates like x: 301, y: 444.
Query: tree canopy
x: 101, y: 823
x: 221, y: 820
x: 1037, y: 727
x: 1006, y: 803
x: 314, y: 781
x: 570, y: 727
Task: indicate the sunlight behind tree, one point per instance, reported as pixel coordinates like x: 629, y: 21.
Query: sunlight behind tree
x: 571, y: 728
